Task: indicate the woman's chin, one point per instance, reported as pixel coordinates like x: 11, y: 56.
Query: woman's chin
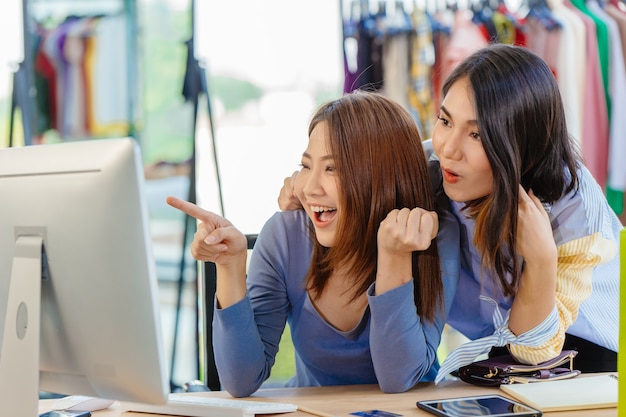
x: 325, y: 237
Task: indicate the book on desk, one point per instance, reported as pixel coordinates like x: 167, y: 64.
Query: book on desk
x: 581, y: 393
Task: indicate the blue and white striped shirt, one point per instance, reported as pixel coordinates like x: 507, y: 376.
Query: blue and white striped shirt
x: 586, y: 231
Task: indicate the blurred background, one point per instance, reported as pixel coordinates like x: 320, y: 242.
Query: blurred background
x: 244, y: 121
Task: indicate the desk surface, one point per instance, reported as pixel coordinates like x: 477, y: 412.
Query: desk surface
x: 342, y: 400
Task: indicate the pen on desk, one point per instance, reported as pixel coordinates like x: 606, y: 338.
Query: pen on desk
x: 314, y: 412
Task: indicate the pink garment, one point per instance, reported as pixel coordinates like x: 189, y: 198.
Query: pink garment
x: 543, y: 42
x: 595, y: 137
x: 466, y: 38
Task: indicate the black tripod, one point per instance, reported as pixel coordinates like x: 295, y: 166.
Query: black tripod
x: 194, y: 86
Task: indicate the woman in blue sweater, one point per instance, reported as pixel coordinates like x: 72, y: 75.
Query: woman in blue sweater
x: 354, y: 274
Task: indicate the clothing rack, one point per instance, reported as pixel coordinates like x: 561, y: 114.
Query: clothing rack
x: 24, y: 92
x: 441, y: 37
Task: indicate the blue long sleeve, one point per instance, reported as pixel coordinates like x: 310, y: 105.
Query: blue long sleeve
x: 403, y: 346
x: 390, y: 346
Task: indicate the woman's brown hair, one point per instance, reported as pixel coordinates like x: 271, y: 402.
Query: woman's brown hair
x: 380, y: 166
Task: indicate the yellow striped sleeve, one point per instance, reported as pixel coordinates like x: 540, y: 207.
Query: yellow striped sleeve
x: 577, y: 259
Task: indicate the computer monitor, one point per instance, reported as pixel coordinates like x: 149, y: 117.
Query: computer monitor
x: 77, y: 276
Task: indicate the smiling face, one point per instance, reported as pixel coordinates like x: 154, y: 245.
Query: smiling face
x: 317, y: 186
x: 466, y: 171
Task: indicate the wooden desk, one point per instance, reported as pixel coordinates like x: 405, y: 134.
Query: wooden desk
x: 342, y: 400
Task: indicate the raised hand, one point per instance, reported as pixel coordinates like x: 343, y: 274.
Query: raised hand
x: 399, y: 235
x: 216, y: 239
x: 407, y: 230
x: 287, y: 199
x: 535, y: 241
x: 536, y: 292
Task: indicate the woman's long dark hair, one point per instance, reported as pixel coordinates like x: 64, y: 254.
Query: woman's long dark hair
x: 522, y: 127
x: 380, y: 166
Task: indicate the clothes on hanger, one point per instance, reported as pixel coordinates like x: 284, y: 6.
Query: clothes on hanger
x: 81, y: 76
x: 592, y: 79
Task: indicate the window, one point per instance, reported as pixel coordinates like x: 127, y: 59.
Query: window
x: 269, y: 65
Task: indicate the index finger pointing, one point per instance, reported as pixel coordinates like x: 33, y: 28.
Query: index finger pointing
x: 188, y: 208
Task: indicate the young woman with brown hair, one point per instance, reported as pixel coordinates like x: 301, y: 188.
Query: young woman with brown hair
x: 354, y: 274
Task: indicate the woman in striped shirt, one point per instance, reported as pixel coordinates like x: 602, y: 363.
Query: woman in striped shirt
x: 540, y: 241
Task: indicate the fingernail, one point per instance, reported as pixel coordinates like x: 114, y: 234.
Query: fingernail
x: 209, y: 240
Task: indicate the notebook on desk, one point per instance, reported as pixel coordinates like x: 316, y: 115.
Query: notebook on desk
x: 581, y: 393
x: 190, y: 405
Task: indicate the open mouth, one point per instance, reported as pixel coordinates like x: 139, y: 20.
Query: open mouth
x: 449, y: 176
x: 324, y: 214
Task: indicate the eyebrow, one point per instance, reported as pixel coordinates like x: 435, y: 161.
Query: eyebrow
x: 469, y: 122
x: 324, y: 158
